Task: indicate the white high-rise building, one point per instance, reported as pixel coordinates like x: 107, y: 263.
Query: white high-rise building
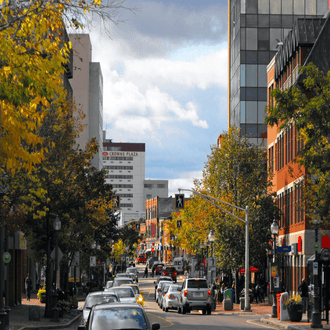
x: 125, y: 163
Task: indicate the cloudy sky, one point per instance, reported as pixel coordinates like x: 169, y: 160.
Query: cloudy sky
x: 165, y: 83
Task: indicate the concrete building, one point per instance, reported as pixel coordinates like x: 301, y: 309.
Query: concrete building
x: 87, y: 85
x: 256, y: 29
x: 308, y: 42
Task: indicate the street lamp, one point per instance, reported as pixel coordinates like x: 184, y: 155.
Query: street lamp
x: 274, y: 230
x: 316, y: 315
x: 57, y: 227
x: 211, y: 238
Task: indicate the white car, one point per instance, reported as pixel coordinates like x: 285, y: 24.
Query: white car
x: 171, y: 298
x: 158, y: 288
x: 125, y: 294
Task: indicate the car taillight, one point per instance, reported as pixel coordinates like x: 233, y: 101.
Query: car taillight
x: 171, y: 295
x: 209, y: 293
x: 164, y: 294
x: 174, y: 273
x: 185, y: 292
x: 163, y: 273
x: 182, y: 267
x: 157, y: 290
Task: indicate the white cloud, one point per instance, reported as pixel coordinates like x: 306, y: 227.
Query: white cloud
x: 186, y: 180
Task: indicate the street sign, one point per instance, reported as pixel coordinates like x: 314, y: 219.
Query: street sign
x: 60, y: 255
x: 316, y: 245
x: 315, y: 268
x: 283, y: 249
x: 6, y: 257
x: 121, y: 255
x: 92, y: 261
x: 179, y: 223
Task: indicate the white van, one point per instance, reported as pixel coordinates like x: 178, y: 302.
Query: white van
x: 178, y: 263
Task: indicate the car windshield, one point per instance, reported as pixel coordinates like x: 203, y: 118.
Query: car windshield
x: 170, y: 269
x: 132, y: 270
x: 119, y: 318
x: 94, y: 300
x: 135, y: 289
x: 174, y: 288
x: 119, y: 281
x: 121, y: 275
x: 124, y: 292
x: 197, y: 284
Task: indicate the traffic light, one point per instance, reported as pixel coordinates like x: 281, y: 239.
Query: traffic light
x: 179, y: 201
x: 137, y: 227
x: 179, y: 223
x: 116, y: 202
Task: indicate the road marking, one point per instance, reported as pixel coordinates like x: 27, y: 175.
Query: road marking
x: 171, y: 323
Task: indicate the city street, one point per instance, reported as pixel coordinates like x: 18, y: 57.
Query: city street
x: 192, y: 321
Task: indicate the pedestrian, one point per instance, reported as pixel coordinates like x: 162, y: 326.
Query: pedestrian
x: 152, y: 271
x: 28, y: 286
x: 145, y: 272
x: 303, y: 291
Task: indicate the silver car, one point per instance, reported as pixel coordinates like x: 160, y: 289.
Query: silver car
x: 171, y: 298
x: 95, y: 298
x: 125, y: 294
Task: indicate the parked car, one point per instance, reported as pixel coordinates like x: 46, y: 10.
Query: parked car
x: 118, y: 316
x: 158, y: 288
x: 125, y: 293
x: 118, y: 281
x: 195, y: 295
x: 170, y: 271
x: 162, y: 291
x: 108, y: 285
x: 154, y: 265
x: 94, y: 298
x: 171, y: 298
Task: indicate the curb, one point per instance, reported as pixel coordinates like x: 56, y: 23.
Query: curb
x: 281, y: 325
x: 53, y: 326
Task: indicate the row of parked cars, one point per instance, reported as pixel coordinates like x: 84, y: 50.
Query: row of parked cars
x: 119, y: 306
x: 193, y: 294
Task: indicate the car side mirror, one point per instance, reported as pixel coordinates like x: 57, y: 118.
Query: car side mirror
x: 154, y: 326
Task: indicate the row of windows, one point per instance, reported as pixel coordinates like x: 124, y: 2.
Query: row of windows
x: 253, y: 112
x: 126, y: 205
x: 291, y: 204
x: 296, y: 7
x: 151, y: 185
x: 118, y: 167
x: 122, y: 186
x: 287, y: 147
x: 117, y: 158
x: 253, y: 131
x: 119, y: 176
x: 125, y: 195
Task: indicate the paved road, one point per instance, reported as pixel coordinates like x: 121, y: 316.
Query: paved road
x: 192, y: 321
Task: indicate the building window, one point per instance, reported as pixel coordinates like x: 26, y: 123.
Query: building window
x: 161, y: 185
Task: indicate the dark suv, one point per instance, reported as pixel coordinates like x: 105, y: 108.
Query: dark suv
x: 170, y: 271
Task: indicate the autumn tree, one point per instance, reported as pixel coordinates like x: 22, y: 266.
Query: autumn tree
x: 236, y: 173
x: 306, y: 106
x: 34, y: 50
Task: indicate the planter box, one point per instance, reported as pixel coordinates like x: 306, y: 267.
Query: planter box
x: 295, y: 312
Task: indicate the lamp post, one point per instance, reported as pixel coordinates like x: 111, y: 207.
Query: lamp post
x: 211, y: 238
x: 316, y: 315
x: 274, y: 230
x: 57, y: 227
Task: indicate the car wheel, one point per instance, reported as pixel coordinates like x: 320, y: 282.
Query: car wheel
x: 179, y: 310
x: 165, y: 309
x: 184, y: 310
x: 204, y: 311
x: 209, y: 310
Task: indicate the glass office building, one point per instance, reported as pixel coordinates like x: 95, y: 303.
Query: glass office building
x: 256, y: 27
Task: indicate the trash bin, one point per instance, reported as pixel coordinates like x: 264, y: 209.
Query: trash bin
x: 242, y: 303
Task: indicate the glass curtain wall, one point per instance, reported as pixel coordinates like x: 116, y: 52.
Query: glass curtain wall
x: 256, y: 28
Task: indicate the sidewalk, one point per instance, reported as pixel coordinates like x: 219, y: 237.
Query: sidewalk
x: 264, y: 310
x: 19, y: 316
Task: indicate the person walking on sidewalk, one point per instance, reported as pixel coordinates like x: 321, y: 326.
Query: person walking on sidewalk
x: 28, y: 286
x: 145, y: 272
x: 303, y: 290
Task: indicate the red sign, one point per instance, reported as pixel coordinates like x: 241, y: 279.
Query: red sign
x: 299, y: 244
x: 153, y: 244
x: 105, y: 153
x: 152, y: 250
